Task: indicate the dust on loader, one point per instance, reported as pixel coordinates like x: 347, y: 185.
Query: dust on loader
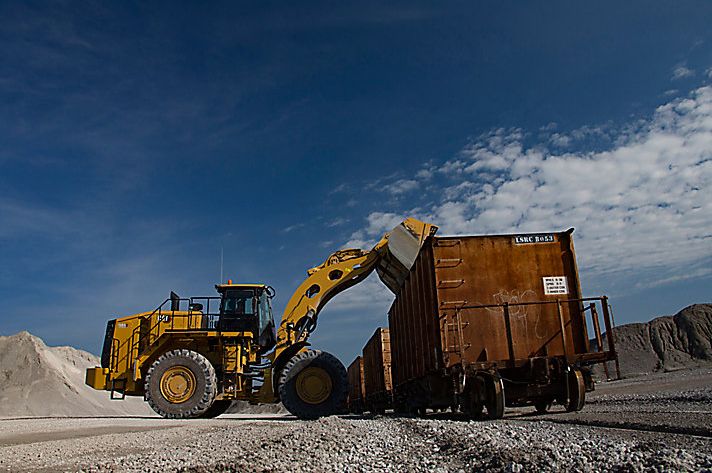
x: 191, y: 357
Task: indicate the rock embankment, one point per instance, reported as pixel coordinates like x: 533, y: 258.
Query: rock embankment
x: 666, y: 343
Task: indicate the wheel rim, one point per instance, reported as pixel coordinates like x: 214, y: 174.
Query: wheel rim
x: 313, y: 385
x: 495, y: 406
x: 178, y: 384
x: 577, y: 391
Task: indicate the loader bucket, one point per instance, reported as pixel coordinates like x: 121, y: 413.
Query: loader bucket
x: 404, y: 243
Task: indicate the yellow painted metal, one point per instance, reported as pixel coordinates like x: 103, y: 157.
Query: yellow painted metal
x: 313, y: 385
x: 178, y: 384
x: 96, y: 377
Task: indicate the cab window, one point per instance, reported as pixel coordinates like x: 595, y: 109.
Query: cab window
x: 238, y: 302
x: 266, y: 329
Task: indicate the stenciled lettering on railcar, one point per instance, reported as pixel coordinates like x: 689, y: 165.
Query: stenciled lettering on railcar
x: 538, y: 238
x: 554, y: 285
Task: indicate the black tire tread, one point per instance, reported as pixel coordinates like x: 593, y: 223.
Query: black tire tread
x: 340, y: 385
x: 208, y: 395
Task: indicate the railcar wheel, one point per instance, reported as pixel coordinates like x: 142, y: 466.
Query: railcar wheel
x: 577, y: 391
x: 218, y: 408
x: 313, y: 384
x: 494, y: 387
x: 181, y: 384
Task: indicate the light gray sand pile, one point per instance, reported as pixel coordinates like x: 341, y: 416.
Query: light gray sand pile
x: 37, y: 380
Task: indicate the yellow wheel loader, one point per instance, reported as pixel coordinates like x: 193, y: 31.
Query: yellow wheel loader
x: 191, y: 357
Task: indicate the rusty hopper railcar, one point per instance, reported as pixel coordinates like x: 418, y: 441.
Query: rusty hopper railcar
x: 356, y: 386
x: 488, y: 321
x: 377, y: 372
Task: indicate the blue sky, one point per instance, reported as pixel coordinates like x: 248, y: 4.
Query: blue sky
x: 138, y: 139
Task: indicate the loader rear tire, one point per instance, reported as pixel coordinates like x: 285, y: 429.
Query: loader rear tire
x: 218, y: 408
x: 313, y: 384
x: 181, y: 384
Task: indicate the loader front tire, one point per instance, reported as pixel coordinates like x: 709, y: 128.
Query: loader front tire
x: 181, y: 384
x: 313, y: 384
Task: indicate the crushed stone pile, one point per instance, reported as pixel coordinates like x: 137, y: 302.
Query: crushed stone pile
x: 37, y: 380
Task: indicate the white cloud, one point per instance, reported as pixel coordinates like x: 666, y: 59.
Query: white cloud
x: 343, y: 187
x: 370, y: 295
x: 426, y: 173
x: 458, y: 190
x: 378, y: 223
x: 338, y: 221
x: 291, y: 228
x: 641, y: 207
x: 697, y: 273
x: 402, y: 186
x: 359, y: 240
x: 560, y: 140
x: 680, y: 72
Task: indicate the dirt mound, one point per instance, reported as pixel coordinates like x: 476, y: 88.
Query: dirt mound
x: 666, y: 343
x: 37, y: 380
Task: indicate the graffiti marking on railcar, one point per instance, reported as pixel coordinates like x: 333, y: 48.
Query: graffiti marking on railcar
x: 513, y: 297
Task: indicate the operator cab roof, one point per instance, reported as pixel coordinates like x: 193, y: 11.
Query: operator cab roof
x: 223, y: 287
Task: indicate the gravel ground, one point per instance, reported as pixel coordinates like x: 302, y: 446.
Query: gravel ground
x: 622, y: 431
x: 677, y: 402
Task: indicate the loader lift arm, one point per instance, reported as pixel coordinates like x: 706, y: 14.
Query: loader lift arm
x: 392, y: 256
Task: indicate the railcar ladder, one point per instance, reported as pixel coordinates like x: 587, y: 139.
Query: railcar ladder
x: 454, y: 340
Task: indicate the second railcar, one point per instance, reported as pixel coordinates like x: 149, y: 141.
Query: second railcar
x: 354, y: 374
x: 377, y: 372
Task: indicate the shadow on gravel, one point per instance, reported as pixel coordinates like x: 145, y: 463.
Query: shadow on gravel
x: 159, y: 418
x: 628, y: 425
x: 3, y: 419
x: 280, y: 418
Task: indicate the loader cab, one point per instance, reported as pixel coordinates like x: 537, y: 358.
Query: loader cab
x: 248, y: 307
